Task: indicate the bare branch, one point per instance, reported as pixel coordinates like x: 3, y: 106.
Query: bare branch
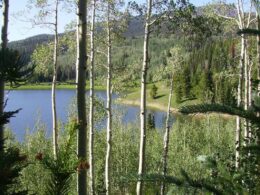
x: 249, y: 15
x: 104, y: 66
x: 228, y: 18
x: 99, y: 51
x: 158, y: 18
x: 240, y: 24
x: 253, y: 20
x: 44, y: 23
x: 242, y: 8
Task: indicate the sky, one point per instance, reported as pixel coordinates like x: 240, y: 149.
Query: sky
x: 19, y: 29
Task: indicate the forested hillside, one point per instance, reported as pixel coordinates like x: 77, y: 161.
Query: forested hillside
x: 201, y: 76
x: 200, y: 66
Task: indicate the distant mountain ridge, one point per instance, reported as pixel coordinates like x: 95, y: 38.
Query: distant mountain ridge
x: 28, y: 45
x: 135, y: 29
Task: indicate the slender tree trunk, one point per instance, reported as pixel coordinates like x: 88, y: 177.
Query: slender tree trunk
x: 250, y: 82
x: 141, y: 167
x: 91, y: 100
x: 53, y: 89
x: 250, y: 95
x: 258, y: 72
x: 5, y: 7
x: 166, y: 139
x: 239, y: 102
x: 108, y: 106
x: 81, y: 99
x: 246, y: 92
x: 258, y: 55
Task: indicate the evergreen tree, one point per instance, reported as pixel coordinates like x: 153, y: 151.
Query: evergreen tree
x: 153, y: 91
x: 150, y: 121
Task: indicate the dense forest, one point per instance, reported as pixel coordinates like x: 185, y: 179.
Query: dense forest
x: 199, y: 65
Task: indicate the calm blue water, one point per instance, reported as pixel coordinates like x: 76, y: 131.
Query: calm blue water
x: 36, y: 106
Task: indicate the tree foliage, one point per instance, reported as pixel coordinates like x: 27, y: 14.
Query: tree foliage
x: 13, y: 67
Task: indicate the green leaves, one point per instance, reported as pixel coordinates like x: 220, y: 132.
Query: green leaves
x: 42, y: 57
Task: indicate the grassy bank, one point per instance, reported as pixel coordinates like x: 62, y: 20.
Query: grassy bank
x: 161, y: 100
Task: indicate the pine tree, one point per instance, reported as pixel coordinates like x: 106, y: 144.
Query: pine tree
x: 153, y: 91
x: 150, y: 121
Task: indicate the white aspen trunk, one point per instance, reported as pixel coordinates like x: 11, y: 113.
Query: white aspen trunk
x: 258, y: 55
x: 250, y: 95
x: 258, y: 71
x: 239, y: 102
x: 250, y: 63
x: 5, y: 7
x: 81, y: 99
x: 241, y: 24
x: 108, y: 107
x: 53, y: 88
x: 91, y: 101
x: 141, y: 166
x: 166, y: 139
x: 246, y: 125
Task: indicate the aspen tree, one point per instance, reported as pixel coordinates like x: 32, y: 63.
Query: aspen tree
x: 54, y: 80
x: 176, y: 61
x: 81, y: 99
x: 241, y: 25
x: 166, y: 137
x: 149, y: 22
x: 141, y: 166
x: 113, y: 19
x: 91, y: 100
x: 109, y: 101
x: 243, y: 21
x: 47, y: 16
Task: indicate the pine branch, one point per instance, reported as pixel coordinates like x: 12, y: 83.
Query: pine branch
x: 248, y: 31
x: 5, y: 118
x: 204, y: 108
x: 185, y: 181
x: 188, y: 182
x: 13, y: 67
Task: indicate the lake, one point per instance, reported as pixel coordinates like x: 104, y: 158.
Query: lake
x: 36, y: 106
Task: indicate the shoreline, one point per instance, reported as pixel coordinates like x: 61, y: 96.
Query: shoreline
x: 48, y: 86
x: 175, y: 111
x: 150, y: 105
x: 126, y: 101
